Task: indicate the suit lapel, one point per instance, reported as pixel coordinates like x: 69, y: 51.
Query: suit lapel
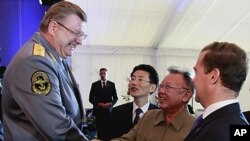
x: 232, y: 108
x: 130, y: 114
x: 152, y: 106
x: 99, y: 85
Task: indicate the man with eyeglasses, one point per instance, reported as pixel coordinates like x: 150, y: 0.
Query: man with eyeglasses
x: 143, y: 82
x: 172, y: 122
x: 41, y: 100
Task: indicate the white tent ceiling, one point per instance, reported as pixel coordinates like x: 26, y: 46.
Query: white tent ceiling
x: 183, y: 24
x: 157, y: 32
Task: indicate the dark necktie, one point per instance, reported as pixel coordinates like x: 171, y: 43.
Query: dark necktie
x: 197, y: 122
x: 103, y: 84
x: 138, y: 111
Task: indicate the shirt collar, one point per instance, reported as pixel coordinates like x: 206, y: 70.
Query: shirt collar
x: 177, y: 122
x: 215, y: 106
x: 160, y: 118
x: 104, y: 81
x: 144, y: 108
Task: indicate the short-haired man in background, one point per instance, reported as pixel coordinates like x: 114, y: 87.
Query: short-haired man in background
x: 103, y: 96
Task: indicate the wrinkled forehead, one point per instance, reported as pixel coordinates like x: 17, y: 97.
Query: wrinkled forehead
x: 174, y: 78
x: 74, y: 21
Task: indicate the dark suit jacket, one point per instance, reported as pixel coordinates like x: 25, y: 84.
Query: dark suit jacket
x: 247, y: 115
x: 121, y: 119
x: 99, y: 94
x: 216, y: 126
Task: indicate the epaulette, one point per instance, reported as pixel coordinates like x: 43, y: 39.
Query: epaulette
x: 38, y: 50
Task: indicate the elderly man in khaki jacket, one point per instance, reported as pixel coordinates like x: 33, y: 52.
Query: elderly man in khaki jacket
x: 173, y: 121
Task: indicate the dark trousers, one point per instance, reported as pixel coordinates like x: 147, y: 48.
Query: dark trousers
x: 102, y: 117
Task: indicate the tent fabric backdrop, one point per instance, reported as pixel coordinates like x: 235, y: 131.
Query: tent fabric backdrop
x: 120, y: 61
x: 125, y: 33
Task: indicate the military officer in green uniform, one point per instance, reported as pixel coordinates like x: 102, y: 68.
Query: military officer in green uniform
x: 41, y: 101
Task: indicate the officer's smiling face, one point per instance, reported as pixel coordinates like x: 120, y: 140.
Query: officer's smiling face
x: 67, y: 40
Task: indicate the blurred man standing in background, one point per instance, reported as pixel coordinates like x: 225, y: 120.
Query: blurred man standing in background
x: 103, y: 96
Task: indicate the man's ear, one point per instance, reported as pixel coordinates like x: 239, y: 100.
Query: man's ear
x: 187, y: 96
x: 52, y: 27
x: 152, y: 88
x: 214, y: 75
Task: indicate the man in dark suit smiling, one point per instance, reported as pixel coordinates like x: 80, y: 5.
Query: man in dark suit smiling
x: 143, y: 82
